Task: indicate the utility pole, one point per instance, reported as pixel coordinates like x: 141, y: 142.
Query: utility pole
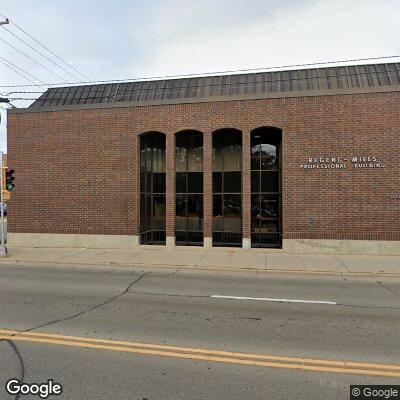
x: 5, y: 22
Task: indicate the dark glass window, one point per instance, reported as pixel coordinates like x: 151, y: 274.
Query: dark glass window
x: 233, y: 182
x: 181, y: 211
x: 181, y: 205
x: 269, y: 182
x: 227, y: 188
x: 265, y: 188
x: 195, y: 213
x: 195, y: 182
x: 180, y: 182
x: 152, y: 187
x: 255, y: 181
x: 233, y: 206
x: 217, y: 205
x: 217, y: 182
x: 159, y: 182
x: 189, y: 188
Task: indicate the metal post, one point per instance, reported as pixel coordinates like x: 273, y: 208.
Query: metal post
x: 3, y: 247
x: 2, y: 199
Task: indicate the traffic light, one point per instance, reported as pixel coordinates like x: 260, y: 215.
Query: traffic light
x: 10, y: 185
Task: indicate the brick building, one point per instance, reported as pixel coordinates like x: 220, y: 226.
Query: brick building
x: 304, y: 160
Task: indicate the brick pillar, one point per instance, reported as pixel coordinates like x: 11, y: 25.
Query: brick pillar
x: 170, y: 189
x: 207, y: 189
x: 246, y: 190
x: 136, y: 188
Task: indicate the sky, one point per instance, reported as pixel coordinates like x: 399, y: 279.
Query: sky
x: 127, y: 39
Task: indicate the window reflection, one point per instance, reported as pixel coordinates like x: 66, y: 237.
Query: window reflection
x: 227, y: 188
x: 189, y: 188
x: 152, y: 188
x: 265, y: 188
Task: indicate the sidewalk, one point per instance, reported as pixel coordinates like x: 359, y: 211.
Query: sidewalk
x: 220, y: 259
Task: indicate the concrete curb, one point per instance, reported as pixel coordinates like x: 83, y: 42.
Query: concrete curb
x: 276, y: 271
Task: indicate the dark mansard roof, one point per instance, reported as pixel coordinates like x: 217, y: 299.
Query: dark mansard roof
x: 290, y: 83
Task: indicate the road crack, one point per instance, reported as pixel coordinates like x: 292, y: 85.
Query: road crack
x: 78, y: 314
x: 15, y: 348
x: 389, y: 289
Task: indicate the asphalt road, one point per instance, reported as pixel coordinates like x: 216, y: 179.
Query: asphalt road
x: 322, y: 318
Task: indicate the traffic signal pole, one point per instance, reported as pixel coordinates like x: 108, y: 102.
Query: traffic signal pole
x: 3, y: 248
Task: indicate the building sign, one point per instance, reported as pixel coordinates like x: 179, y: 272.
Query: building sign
x: 334, y: 162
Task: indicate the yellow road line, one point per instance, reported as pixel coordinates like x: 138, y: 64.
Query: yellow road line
x: 191, y: 356
x: 346, y: 364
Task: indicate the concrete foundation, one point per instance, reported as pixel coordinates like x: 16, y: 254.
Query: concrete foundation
x: 170, y: 242
x: 71, y: 240
x: 246, y: 243
x: 207, y: 244
x: 298, y: 246
x: 313, y: 246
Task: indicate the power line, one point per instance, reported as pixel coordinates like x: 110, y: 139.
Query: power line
x: 45, y: 47
x: 18, y: 92
x: 37, y: 51
x: 19, y: 73
x: 214, y: 73
x: 21, y: 98
x: 16, y: 66
x: 36, y: 62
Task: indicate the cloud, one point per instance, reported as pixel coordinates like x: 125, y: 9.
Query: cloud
x: 323, y: 31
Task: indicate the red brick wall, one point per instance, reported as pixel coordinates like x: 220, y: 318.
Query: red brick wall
x: 77, y: 172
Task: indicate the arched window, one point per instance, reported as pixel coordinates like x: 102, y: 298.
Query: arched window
x: 152, y: 188
x: 266, y: 227
x: 227, y: 188
x: 189, y: 188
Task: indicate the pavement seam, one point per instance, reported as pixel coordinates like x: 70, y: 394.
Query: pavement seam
x: 196, y: 264
x: 341, y: 262
x: 302, y: 262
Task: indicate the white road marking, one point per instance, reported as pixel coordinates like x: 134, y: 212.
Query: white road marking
x: 274, y: 300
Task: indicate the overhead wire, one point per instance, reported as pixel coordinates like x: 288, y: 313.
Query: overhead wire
x: 19, y: 92
x: 25, y: 72
x: 21, y: 98
x: 211, y: 73
x: 32, y: 59
x: 39, y: 52
x: 45, y: 47
x: 19, y: 73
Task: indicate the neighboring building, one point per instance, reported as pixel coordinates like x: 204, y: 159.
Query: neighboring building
x: 307, y: 160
